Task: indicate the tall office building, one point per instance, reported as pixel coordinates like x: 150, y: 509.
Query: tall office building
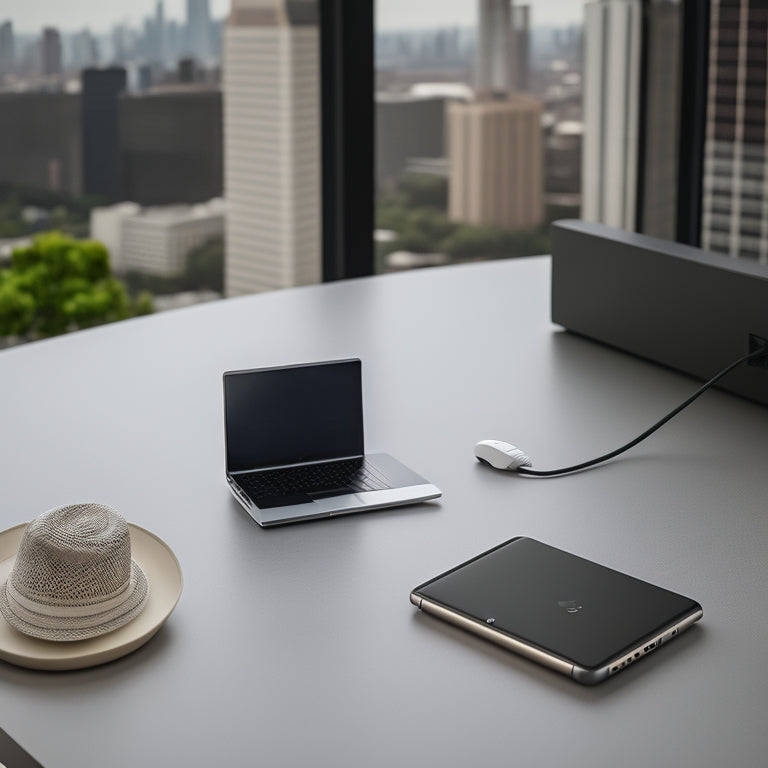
x: 612, y: 30
x: 50, y: 52
x: 632, y: 97
x: 170, y: 145
x: 161, y: 41
x: 521, y: 25
x: 272, y: 145
x: 495, y: 143
x: 152, y: 44
x: 495, y: 53
x: 199, y: 29
x: 101, y: 168
x: 7, y: 50
x: 83, y: 50
x: 496, y: 162
x: 40, y: 140
x: 735, y: 191
x: 503, y: 48
x: 660, y: 157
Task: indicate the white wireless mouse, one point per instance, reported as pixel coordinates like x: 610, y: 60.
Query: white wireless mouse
x: 501, y: 455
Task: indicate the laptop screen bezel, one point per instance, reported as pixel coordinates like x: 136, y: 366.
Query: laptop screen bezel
x: 355, y: 448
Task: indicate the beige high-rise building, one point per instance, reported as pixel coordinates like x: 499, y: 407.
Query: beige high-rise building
x: 272, y: 150
x: 495, y: 143
x: 496, y: 159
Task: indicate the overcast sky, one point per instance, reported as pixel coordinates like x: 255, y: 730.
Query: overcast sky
x: 101, y: 15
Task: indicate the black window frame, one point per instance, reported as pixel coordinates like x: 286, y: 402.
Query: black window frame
x: 347, y: 44
x: 693, y: 119
x: 348, y: 142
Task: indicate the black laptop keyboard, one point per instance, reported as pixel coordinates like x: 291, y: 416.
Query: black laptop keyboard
x: 354, y: 474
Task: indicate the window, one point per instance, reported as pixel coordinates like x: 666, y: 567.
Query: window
x: 478, y: 128
x: 222, y: 147
x: 184, y: 135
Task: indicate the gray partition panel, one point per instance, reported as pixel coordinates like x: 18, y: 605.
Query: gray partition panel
x: 673, y: 304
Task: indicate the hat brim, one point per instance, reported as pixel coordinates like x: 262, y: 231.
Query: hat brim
x: 67, y: 631
x: 161, y: 568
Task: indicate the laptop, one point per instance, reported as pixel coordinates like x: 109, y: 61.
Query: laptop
x: 295, y: 448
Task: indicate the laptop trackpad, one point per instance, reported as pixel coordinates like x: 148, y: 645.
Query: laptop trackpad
x: 330, y: 492
x: 267, y: 502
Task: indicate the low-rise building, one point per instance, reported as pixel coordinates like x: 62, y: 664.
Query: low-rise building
x: 156, y: 241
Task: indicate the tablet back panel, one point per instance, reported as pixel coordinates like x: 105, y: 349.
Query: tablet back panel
x: 565, y: 605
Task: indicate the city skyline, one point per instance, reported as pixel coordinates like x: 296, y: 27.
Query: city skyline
x: 31, y: 16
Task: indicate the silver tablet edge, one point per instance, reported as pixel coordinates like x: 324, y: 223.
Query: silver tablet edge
x: 620, y: 662
x: 489, y: 633
x: 581, y: 675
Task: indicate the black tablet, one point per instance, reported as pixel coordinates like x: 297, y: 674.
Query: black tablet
x: 570, y: 614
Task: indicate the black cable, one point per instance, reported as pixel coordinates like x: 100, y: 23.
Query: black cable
x: 763, y: 351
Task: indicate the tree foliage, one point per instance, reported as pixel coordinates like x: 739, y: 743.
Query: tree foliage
x: 204, y: 271
x: 58, y: 284
x: 425, y: 190
x: 205, y: 266
x: 67, y: 213
x: 415, y: 212
x: 10, y: 216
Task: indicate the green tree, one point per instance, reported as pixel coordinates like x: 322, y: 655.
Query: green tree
x: 144, y: 304
x: 467, y: 241
x: 59, y: 217
x: 58, y: 284
x: 425, y: 190
x: 205, y: 266
x: 10, y: 216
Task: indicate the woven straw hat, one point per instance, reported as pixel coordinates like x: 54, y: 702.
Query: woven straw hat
x: 73, y: 577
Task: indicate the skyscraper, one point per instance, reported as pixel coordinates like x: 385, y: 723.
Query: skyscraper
x: 272, y: 145
x: 101, y: 168
x: 40, y: 134
x: 495, y: 143
x: 199, y: 29
x: 161, y: 42
x: 521, y: 29
x: 660, y: 127
x: 170, y: 145
x: 503, y: 48
x: 495, y: 65
x: 50, y: 51
x: 83, y: 49
x: 612, y: 30
x: 496, y: 162
x: 7, y: 50
x: 735, y: 197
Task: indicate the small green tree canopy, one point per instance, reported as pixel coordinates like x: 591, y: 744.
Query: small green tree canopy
x: 425, y: 190
x: 57, y: 284
x: 205, y: 266
x: 17, y: 308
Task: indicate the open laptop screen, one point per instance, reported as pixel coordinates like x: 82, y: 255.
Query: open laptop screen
x: 293, y: 414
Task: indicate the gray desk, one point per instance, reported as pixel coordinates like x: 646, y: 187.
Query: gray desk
x: 298, y: 646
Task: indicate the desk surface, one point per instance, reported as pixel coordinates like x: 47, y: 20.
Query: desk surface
x: 298, y: 645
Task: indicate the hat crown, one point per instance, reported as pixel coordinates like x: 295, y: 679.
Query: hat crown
x: 73, y: 556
